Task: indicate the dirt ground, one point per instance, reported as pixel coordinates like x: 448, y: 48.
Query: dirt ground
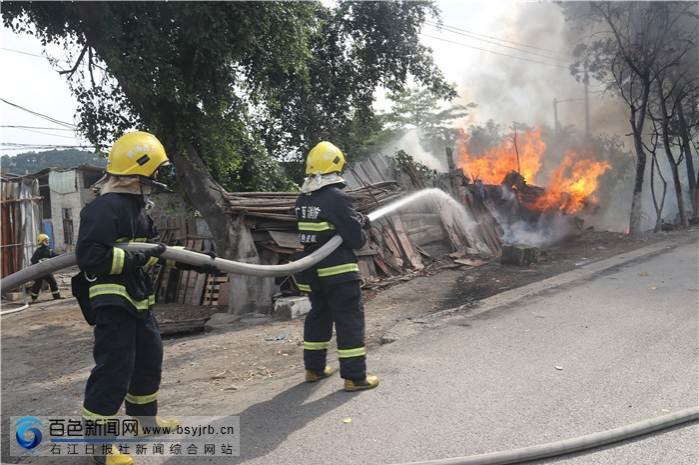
x: 47, y: 348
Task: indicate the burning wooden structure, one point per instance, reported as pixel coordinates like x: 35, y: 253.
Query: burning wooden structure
x: 399, y: 243
x: 469, y: 223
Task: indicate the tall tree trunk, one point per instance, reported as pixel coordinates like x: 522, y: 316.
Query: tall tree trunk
x: 686, y: 143
x: 636, y: 201
x: 670, y: 157
x: 232, y: 239
x: 232, y: 236
x: 658, y: 205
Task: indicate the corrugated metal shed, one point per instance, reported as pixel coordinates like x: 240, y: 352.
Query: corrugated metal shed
x: 372, y: 171
x: 21, y: 218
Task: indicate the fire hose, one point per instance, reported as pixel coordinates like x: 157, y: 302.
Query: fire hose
x: 497, y: 458
x: 198, y: 259
x: 179, y: 255
x: 568, y: 446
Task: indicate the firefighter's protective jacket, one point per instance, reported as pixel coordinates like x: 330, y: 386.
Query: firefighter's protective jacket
x: 116, y: 280
x: 42, y: 253
x: 322, y: 214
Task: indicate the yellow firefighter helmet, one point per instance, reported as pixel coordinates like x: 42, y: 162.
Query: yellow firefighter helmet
x: 324, y: 158
x: 136, y: 154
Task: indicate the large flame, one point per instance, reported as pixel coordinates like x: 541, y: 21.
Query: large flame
x: 573, y: 184
x: 495, y: 163
x: 570, y: 188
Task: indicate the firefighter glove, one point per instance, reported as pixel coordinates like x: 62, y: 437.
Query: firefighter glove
x: 157, y: 251
x: 365, y: 221
x: 208, y: 269
x: 141, y: 257
x: 211, y: 253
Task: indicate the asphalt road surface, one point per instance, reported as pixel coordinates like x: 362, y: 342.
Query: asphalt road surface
x: 612, y: 343
x: 588, y: 352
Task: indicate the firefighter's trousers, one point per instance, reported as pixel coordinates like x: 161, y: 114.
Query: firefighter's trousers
x: 340, y: 303
x: 128, y: 357
x: 53, y: 285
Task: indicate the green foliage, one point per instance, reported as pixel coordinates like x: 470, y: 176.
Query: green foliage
x: 483, y: 137
x: 31, y: 162
x: 359, y: 47
x: 401, y: 160
x: 418, y: 109
x: 243, y: 83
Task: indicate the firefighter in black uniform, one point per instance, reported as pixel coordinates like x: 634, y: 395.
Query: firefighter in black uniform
x: 128, y: 348
x: 333, y: 284
x: 43, y: 252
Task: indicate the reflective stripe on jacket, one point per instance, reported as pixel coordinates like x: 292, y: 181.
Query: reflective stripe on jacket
x: 321, y: 215
x: 107, y: 220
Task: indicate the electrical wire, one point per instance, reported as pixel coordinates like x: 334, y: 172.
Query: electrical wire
x: 496, y: 53
x: 446, y: 27
x: 45, y: 133
x: 21, y: 52
x: 11, y: 147
x: 453, y: 30
x: 34, y: 127
x: 48, y: 118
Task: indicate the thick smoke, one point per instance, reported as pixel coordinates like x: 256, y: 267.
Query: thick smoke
x: 509, y: 90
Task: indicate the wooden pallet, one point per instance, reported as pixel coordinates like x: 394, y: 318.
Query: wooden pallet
x: 212, y: 290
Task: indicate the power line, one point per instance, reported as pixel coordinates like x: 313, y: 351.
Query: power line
x: 53, y: 120
x: 432, y: 23
x: 47, y: 133
x: 496, y: 53
x: 23, y: 53
x: 469, y: 35
x: 11, y: 146
x: 34, y: 127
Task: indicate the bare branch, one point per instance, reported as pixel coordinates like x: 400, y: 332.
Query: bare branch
x: 72, y: 71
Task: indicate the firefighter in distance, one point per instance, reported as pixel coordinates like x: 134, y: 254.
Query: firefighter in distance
x: 42, y: 253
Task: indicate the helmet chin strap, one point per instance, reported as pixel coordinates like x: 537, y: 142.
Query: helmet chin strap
x: 152, y: 183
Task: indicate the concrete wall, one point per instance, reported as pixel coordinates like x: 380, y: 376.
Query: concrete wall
x: 69, y: 204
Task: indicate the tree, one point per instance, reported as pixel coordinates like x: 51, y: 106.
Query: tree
x: 227, y: 85
x: 424, y: 111
x: 483, y: 137
x: 32, y: 162
x: 639, y: 42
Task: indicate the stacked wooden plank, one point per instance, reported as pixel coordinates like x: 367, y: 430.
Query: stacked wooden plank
x: 280, y: 205
x: 488, y: 231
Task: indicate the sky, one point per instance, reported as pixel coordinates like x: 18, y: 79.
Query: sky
x: 510, y: 58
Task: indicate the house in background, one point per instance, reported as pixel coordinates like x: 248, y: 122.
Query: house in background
x: 62, y: 193
x: 49, y: 201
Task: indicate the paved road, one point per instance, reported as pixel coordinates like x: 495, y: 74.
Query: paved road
x: 610, y: 344
x: 591, y: 351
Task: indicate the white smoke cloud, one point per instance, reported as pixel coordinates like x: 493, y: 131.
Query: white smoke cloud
x: 410, y: 144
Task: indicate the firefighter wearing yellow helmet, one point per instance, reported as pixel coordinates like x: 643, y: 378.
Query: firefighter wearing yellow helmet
x: 323, y: 210
x: 115, y: 293
x: 44, y: 252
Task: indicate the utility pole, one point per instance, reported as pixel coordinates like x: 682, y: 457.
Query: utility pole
x: 586, y: 81
x: 587, y: 113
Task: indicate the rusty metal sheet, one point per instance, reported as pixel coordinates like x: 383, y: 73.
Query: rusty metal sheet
x: 289, y: 240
